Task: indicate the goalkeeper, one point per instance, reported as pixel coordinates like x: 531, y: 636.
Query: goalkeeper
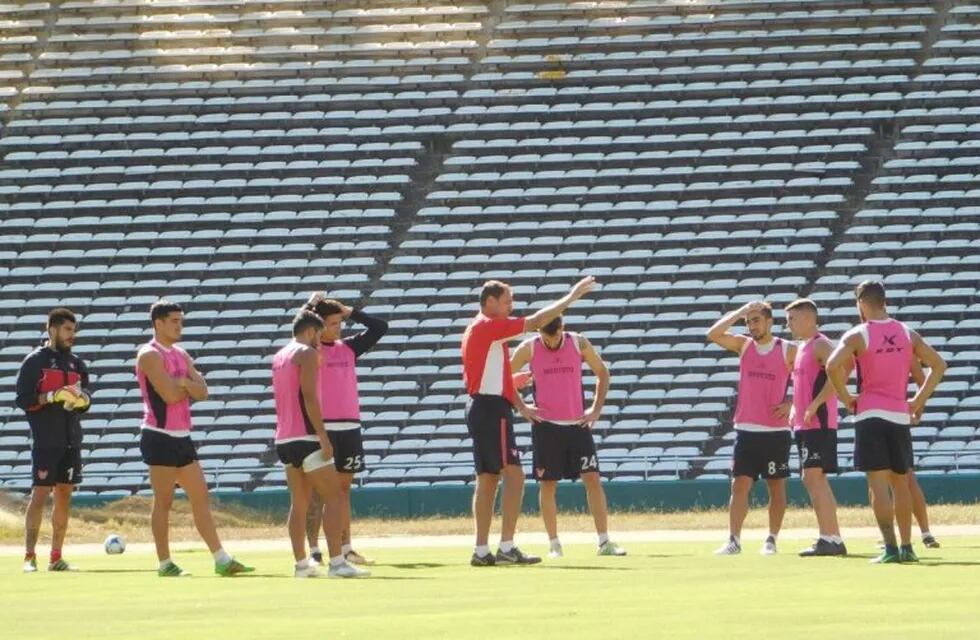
x: 53, y: 389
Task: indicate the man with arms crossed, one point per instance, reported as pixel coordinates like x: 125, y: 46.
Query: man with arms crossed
x: 168, y: 382
x: 562, y: 440
x: 490, y: 418
x: 814, y: 419
x: 52, y: 389
x: 303, y: 447
x: 762, y: 432
x: 884, y: 350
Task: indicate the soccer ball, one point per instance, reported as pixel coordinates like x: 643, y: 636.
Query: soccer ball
x: 115, y: 544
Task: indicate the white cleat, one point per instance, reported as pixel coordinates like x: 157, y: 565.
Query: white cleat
x: 30, y: 566
x: 556, y: 552
x: 731, y: 548
x: 347, y: 570
x: 309, y: 571
x: 768, y: 547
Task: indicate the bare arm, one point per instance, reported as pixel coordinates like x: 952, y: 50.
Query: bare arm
x: 555, y: 309
x: 520, y: 357
x: 601, y: 372
x: 309, y: 383
x: 839, y: 365
x: 928, y: 356
x: 918, y: 375
x: 720, y: 332
x: 196, y: 387
x: 170, y: 389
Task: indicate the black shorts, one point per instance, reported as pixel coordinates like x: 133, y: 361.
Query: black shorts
x: 296, y: 452
x: 761, y: 454
x: 348, y: 449
x: 490, y: 421
x: 160, y: 450
x: 56, y: 465
x: 880, y: 445
x: 818, y: 449
x: 562, y: 452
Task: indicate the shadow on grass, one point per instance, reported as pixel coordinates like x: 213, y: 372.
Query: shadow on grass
x: 576, y: 567
x: 117, y: 571
x: 414, y: 565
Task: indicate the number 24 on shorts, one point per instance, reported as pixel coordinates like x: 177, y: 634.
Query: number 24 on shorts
x: 589, y: 463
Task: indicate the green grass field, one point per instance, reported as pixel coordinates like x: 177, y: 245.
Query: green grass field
x: 659, y: 591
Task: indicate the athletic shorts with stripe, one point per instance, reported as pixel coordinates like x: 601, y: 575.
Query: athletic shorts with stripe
x: 490, y: 421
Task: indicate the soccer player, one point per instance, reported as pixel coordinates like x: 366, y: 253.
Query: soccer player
x: 814, y: 419
x: 884, y: 350
x: 53, y: 390
x: 302, y: 445
x: 762, y: 432
x: 168, y: 383
x: 489, y: 415
x: 340, y: 404
x: 562, y: 440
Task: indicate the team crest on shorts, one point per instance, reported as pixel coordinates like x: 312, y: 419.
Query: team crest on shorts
x: 540, y: 472
x: 41, y: 474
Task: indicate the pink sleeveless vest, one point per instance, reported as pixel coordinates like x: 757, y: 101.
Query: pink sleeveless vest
x: 762, y: 383
x: 809, y: 379
x: 292, y: 422
x: 173, y: 419
x: 339, y: 399
x: 883, y: 371
x: 558, y: 380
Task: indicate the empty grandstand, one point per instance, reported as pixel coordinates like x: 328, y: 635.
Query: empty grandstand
x: 691, y: 155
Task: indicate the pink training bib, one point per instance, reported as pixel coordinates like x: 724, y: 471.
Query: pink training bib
x: 558, y: 380
x: 762, y: 383
x: 157, y: 414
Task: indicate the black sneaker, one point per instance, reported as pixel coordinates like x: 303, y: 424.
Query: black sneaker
x: 823, y: 548
x: 930, y: 542
x: 516, y: 556
x: 841, y: 549
x: 482, y: 561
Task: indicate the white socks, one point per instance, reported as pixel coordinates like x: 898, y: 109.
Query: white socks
x: 314, y: 550
x: 165, y: 563
x: 346, y: 549
x: 482, y: 550
x: 555, y: 543
x: 336, y: 561
x: 303, y: 564
x: 506, y: 546
x: 221, y: 557
x: 603, y: 538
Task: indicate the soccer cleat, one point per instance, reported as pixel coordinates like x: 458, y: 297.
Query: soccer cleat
x: 347, y: 570
x: 610, y: 548
x: 482, y: 561
x: 768, y: 547
x: 906, y: 554
x: 61, y: 565
x: 30, y: 565
x: 309, y: 571
x: 172, y: 571
x: 731, y: 548
x: 556, y: 552
x: 824, y: 548
x: 231, y: 568
x: 515, y: 556
x: 317, y: 557
x: 930, y: 542
x: 354, y: 557
x: 888, y: 556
